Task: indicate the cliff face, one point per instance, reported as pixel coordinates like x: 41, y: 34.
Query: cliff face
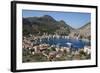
x: 84, y: 31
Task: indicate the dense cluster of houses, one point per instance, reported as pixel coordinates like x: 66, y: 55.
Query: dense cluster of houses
x: 51, y: 51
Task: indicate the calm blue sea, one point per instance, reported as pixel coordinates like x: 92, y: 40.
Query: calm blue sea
x: 62, y: 42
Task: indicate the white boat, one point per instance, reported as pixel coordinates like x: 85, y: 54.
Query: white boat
x: 69, y: 44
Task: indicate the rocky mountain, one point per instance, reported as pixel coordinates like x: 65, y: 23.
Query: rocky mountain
x: 45, y: 24
x: 84, y: 31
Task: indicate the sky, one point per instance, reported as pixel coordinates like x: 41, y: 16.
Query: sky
x: 74, y: 19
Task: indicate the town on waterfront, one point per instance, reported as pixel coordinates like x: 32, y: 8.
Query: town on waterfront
x: 55, y: 36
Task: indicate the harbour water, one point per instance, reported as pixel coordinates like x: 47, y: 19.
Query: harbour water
x: 64, y: 42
